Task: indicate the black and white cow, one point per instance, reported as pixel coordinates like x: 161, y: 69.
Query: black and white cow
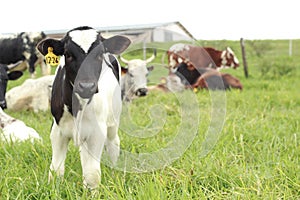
x: 86, y: 99
x: 5, y: 75
x: 21, y: 47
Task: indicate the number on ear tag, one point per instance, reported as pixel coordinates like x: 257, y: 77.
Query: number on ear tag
x: 51, y: 58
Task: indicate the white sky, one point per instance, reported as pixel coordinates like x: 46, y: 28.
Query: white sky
x: 209, y: 19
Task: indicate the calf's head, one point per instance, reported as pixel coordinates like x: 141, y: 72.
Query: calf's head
x: 83, y: 51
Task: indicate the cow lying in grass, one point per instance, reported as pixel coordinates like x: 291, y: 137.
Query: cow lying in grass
x: 217, y: 81
x: 196, y: 66
x: 201, y: 57
x: 14, y: 130
x: 134, y: 78
x: 184, y: 78
x: 204, y: 78
x: 32, y: 94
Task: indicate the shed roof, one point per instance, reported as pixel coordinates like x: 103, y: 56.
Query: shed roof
x: 133, y: 29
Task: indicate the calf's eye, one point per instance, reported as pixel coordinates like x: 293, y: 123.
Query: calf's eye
x: 68, y: 56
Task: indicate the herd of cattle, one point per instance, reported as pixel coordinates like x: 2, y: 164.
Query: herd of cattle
x: 189, y: 67
x: 89, y: 84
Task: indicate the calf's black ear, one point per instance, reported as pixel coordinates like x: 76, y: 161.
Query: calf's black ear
x: 116, y: 44
x: 57, y: 45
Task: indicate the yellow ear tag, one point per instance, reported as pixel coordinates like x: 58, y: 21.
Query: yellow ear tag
x: 195, y: 90
x: 51, y: 58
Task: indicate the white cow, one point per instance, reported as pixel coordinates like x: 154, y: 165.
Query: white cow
x: 33, y: 94
x: 134, y: 79
x: 14, y: 130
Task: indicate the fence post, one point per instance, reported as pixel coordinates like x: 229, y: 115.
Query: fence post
x: 144, y: 50
x: 244, y: 57
x: 291, y: 48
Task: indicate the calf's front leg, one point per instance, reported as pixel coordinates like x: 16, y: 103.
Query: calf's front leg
x: 59, y: 151
x: 90, y: 153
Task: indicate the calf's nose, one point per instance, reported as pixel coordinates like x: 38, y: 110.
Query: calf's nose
x: 86, y: 89
x: 86, y: 86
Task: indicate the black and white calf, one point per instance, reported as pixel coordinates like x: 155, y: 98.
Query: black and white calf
x: 5, y: 75
x: 21, y: 47
x: 86, y: 99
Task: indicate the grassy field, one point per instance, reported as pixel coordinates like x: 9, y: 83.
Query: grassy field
x: 204, y: 145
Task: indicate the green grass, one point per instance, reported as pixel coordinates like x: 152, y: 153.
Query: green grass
x: 256, y: 155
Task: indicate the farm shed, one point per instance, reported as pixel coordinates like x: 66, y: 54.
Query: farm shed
x: 142, y: 34
x: 157, y: 32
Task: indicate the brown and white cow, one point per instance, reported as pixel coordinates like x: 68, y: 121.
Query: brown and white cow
x: 223, y: 59
x: 206, y: 78
x: 191, y: 63
x: 215, y: 80
x: 200, y: 57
